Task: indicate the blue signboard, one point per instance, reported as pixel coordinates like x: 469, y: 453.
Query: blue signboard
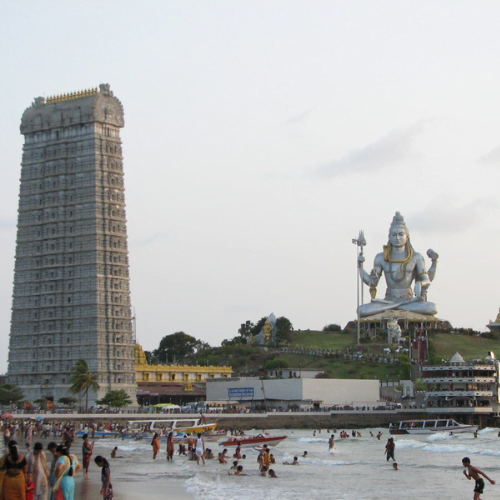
x: 240, y: 392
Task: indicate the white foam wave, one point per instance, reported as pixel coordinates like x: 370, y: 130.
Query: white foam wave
x: 439, y: 436
x: 312, y: 440
x: 409, y: 443
x: 487, y: 430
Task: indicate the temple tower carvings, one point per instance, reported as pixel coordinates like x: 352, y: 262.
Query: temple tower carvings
x: 71, y: 294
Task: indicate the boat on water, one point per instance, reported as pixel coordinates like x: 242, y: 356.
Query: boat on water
x: 148, y: 428
x: 208, y: 437
x: 99, y: 434
x: 252, y: 441
x: 430, y: 426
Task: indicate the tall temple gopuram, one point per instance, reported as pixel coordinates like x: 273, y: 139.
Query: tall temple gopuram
x: 71, y: 294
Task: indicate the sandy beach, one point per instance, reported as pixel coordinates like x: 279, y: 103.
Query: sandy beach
x: 151, y: 478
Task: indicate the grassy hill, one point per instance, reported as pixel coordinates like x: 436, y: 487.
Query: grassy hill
x: 306, y: 346
x: 447, y: 344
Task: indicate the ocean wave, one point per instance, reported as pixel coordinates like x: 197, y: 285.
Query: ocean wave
x: 233, y: 487
x: 409, y: 443
x: 312, y: 440
x: 439, y: 436
x: 487, y: 430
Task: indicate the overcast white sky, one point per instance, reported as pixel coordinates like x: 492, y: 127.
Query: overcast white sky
x: 261, y: 136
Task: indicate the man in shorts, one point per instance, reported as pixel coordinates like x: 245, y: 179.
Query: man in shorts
x: 474, y: 473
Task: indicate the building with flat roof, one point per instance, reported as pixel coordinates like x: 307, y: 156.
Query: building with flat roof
x: 462, y: 386
x: 294, y: 391
x: 71, y: 295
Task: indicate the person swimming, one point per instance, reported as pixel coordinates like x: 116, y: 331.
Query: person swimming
x: 295, y: 461
x: 238, y: 472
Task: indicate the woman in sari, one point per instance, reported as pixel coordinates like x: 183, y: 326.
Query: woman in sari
x: 170, y: 446
x: 14, y: 483
x: 66, y: 467
x: 87, y: 454
x: 38, y: 472
x: 156, y: 446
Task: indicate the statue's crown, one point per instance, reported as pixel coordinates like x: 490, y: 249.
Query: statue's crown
x: 398, y: 220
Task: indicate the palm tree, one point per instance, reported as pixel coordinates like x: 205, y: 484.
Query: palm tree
x: 82, y: 380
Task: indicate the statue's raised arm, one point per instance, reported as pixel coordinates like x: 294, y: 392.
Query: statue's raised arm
x: 401, y: 266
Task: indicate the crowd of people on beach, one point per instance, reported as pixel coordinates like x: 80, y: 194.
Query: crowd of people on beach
x: 28, y: 476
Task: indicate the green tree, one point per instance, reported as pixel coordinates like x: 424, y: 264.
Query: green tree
x: 419, y: 385
x: 115, y: 399
x: 259, y: 325
x: 246, y: 329
x: 42, y: 402
x: 332, y: 328
x: 150, y: 358
x: 284, y: 328
x: 404, y: 367
x: 10, y: 394
x: 82, y: 380
x: 67, y: 401
x: 234, y: 341
x: 176, y: 347
x: 273, y: 364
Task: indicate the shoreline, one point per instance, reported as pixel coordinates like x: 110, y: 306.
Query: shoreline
x: 356, y: 419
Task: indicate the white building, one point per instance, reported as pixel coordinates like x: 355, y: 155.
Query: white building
x: 284, y: 392
x: 462, y: 386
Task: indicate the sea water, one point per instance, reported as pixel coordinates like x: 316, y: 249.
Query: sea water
x: 430, y: 466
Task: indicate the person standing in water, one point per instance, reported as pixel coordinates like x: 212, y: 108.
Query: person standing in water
x: 107, y: 487
x: 389, y: 449
x: 155, y: 443
x: 87, y: 448
x: 474, y: 473
x: 200, y: 449
x: 331, y: 442
x: 170, y: 446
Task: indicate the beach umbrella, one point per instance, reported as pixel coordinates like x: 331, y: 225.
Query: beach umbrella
x: 7, y: 415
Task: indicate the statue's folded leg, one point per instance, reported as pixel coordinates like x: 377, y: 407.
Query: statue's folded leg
x: 379, y: 306
x: 427, y: 308
x: 375, y: 307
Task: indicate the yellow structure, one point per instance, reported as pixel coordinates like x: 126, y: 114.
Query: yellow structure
x: 173, y: 373
x: 72, y: 96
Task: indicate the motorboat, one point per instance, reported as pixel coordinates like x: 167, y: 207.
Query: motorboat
x: 208, y: 437
x: 252, y: 441
x: 148, y: 428
x: 430, y: 426
x: 98, y: 434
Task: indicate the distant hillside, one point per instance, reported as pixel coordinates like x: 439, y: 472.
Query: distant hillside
x: 470, y: 347
x: 306, y: 350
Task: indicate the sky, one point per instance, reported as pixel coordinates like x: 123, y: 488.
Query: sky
x: 261, y: 136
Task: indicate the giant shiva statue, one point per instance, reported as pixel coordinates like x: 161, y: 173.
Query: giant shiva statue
x: 401, y: 266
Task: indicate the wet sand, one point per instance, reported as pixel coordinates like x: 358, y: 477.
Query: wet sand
x: 89, y: 489
x: 152, y: 479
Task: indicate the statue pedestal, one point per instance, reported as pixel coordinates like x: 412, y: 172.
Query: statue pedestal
x: 407, y: 320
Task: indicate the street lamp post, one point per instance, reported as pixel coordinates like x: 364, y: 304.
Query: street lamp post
x: 360, y: 242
